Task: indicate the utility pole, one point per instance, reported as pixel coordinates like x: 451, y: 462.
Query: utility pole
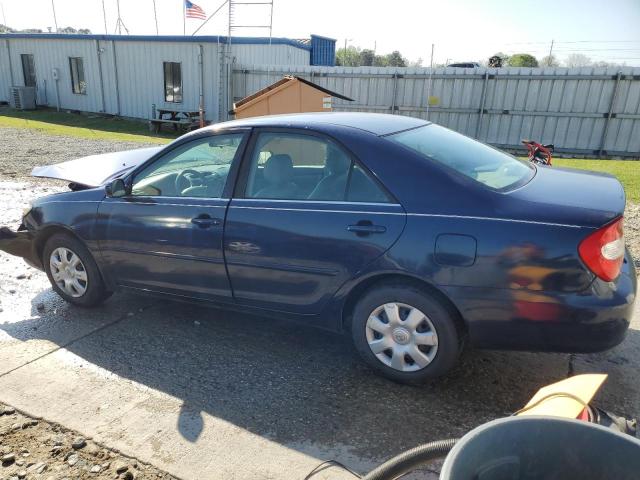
x: 155, y: 15
x: 119, y: 23
x: 55, y: 20
x: 550, y: 52
x: 4, y: 19
x: 433, y: 45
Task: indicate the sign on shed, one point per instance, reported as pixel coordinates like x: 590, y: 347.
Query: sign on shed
x: 288, y: 95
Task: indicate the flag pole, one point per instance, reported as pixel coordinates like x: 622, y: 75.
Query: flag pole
x: 184, y: 17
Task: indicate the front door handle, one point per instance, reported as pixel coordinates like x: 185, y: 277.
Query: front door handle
x: 366, y: 229
x: 205, y: 221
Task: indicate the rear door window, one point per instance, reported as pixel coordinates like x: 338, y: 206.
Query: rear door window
x: 291, y: 166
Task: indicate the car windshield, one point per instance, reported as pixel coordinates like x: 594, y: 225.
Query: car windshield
x: 485, y: 164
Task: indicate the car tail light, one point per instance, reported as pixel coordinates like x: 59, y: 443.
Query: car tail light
x: 603, y: 250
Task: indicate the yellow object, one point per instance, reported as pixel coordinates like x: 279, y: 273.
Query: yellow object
x: 583, y: 387
x: 433, y: 101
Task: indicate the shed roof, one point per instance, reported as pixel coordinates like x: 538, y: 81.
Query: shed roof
x: 274, y: 87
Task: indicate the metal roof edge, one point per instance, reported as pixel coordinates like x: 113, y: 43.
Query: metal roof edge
x: 162, y: 38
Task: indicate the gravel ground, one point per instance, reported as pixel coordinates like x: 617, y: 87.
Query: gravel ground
x: 23, y: 149
x: 36, y: 449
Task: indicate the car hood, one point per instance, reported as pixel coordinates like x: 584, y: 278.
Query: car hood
x: 95, y: 170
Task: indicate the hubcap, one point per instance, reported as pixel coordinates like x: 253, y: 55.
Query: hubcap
x: 68, y: 272
x: 401, y: 337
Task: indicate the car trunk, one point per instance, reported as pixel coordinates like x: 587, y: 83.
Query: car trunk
x: 567, y: 196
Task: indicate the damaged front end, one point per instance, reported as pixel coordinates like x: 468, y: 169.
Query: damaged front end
x: 21, y: 244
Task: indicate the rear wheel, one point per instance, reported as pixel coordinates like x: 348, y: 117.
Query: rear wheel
x: 73, y: 272
x: 405, y: 334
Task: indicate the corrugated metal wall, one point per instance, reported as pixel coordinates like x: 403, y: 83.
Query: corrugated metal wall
x: 132, y: 77
x: 583, y: 111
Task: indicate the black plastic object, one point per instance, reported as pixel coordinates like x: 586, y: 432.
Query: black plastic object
x: 528, y: 448
x: 410, y: 460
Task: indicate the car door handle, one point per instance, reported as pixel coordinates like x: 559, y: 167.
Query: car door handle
x: 363, y: 229
x: 205, y: 221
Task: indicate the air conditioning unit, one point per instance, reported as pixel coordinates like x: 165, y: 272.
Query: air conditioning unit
x: 23, y: 98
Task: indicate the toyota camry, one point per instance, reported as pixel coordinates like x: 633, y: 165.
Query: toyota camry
x: 413, y: 239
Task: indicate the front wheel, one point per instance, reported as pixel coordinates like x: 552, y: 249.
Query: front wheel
x: 405, y: 334
x: 73, y: 272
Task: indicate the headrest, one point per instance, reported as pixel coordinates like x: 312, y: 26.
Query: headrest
x: 337, y: 162
x: 278, y: 169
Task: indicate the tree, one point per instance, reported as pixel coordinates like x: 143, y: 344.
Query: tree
x: 5, y: 29
x: 367, y: 57
x: 522, y: 60
x: 502, y: 56
x: 549, y: 61
x: 415, y: 63
x: 396, y: 59
x: 381, y: 61
x: 349, y: 57
x: 577, y: 60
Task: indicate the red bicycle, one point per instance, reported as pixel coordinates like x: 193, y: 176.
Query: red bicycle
x: 539, y: 153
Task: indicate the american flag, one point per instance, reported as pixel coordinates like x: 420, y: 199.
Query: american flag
x: 191, y: 10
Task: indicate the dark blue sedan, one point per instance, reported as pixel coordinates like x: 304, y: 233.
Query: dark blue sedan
x: 413, y: 238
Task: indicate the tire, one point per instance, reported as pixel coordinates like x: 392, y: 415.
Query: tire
x: 59, y: 261
x: 421, y: 343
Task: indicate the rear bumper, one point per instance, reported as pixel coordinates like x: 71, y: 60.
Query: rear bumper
x: 595, y: 319
x: 21, y: 244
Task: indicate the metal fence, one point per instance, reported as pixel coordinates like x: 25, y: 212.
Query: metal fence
x: 582, y: 111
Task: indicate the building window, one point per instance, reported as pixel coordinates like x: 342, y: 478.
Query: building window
x: 78, y: 85
x: 28, y: 70
x: 172, y: 82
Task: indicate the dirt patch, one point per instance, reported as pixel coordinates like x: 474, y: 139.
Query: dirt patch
x: 21, y: 149
x: 36, y: 449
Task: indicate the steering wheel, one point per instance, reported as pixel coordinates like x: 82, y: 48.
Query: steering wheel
x: 185, y: 178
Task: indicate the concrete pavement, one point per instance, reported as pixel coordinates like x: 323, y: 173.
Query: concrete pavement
x: 203, y: 393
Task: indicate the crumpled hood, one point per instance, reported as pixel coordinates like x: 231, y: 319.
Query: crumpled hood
x: 95, y: 170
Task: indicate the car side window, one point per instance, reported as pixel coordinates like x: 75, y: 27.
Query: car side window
x: 289, y: 166
x: 363, y: 188
x: 195, y: 169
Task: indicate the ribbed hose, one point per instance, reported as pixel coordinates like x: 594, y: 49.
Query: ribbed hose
x: 411, y: 460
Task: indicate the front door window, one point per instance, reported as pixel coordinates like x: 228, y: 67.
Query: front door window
x: 195, y: 169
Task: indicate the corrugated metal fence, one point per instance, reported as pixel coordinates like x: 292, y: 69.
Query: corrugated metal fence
x: 582, y: 111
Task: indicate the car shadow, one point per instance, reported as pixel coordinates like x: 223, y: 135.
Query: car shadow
x: 289, y: 383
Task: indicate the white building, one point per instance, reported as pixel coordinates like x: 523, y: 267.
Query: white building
x: 127, y: 75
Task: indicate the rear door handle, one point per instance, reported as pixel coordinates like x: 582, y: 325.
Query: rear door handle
x: 366, y: 229
x: 205, y: 221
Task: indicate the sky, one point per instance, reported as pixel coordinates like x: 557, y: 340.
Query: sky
x: 461, y: 30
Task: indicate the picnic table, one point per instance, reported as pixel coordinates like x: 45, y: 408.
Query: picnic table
x: 177, y: 118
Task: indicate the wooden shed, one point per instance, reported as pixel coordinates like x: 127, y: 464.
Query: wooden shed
x: 288, y: 95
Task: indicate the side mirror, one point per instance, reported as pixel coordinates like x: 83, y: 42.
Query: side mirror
x: 116, y: 188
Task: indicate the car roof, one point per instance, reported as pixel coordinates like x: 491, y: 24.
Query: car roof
x: 376, y: 123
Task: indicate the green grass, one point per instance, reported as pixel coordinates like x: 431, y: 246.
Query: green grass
x: 627, y: 171
x: 82, y: 125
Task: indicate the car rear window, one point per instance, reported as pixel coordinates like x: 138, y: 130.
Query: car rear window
x: 495, y: 169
